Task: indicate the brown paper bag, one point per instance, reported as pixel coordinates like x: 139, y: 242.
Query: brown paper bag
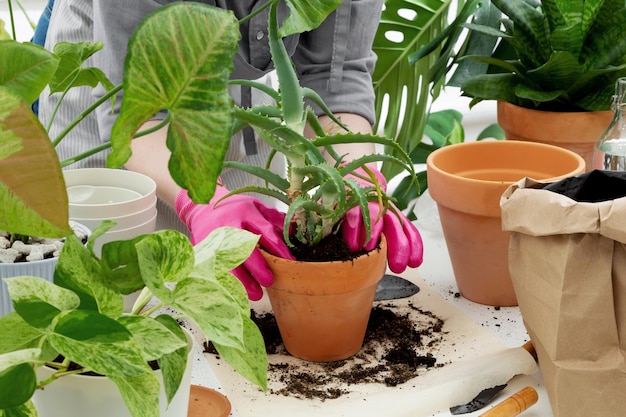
x: 567, y: 260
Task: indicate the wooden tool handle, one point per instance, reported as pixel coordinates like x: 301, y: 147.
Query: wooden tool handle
x: 514, y: 405
x: 530, y: 348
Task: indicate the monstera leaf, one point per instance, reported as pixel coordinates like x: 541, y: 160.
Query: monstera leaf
x: 402, y: 88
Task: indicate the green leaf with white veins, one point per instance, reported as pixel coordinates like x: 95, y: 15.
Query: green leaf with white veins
x: 38, y: 301
x: 17, y: 377
x: 99, y: 343
x: 306, y: 15
x: 79, y: 270
x: 154, y: 338
x: 70, y: 72
x: 26, y: 68
x: 225, y: 248
x: 24, y: 410
x: 212, y: 309
x: 165, y: 256
x: 251, y: 363
x: 140, y: 393
x: 18, y: 334
x: 173, y: 364
x: 186, y: 73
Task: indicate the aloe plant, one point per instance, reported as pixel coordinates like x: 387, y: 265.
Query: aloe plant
x: 554, y: 55
x: 317, y: 191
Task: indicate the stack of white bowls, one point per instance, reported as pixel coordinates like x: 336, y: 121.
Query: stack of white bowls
x: 124, y: 197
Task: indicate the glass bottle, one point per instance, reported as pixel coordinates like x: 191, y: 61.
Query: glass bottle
x: 610, y: 149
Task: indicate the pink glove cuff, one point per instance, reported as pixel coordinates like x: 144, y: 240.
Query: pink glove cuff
x: 185, y: 206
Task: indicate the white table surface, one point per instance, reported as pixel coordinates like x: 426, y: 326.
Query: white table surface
x: 504, y: 322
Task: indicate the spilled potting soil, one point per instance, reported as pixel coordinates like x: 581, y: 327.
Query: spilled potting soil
x: 398, y: 347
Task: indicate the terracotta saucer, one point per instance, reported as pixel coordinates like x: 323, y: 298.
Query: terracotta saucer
x: 206, y: 402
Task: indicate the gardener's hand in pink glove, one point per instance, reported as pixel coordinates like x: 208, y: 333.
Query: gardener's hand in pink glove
x: 404, y: 243
x: 243, y: 212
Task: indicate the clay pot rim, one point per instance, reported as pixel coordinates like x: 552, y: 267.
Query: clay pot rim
x: 381, y: 245
x: 450, y: 188
x: 508, y: 143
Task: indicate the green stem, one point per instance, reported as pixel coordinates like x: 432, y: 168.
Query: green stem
x: 12, y: 20
x: 142, y: 300
x: 80, y: 157
x: 23, y: 9
x: 82, y: 115
x: 151, y: 310
x: 255, y: 12
x: 292, y: 102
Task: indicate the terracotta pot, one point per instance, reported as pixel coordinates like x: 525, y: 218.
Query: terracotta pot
x: 322, y: 308
x: 466, y: 181
x: 576, y: 131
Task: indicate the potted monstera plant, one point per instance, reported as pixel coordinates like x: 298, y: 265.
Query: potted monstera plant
x: 552, y: 65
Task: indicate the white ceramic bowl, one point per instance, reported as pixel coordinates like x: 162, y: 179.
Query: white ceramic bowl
x: 125, y: 234
x: 104, y: 193
x: 43, y: 269
x: 121, y: 222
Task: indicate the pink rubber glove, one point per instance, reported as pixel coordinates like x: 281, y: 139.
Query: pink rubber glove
x: 404, y: 243
x: 243, y: 212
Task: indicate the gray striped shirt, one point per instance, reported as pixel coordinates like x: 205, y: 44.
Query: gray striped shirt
x: 335, y: 60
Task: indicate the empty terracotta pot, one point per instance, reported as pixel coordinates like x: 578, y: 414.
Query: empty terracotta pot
x: 466, y: 181
x: 322, y: 308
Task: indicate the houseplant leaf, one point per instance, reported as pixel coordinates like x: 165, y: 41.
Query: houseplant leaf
x: 173, y: 364
x: 32, y: 189
x: 80, y: 271
x: 400, y: 85
x: 26, y: 68
x: 189, y: 80
x: 17, y: 377
x: 154, y: 338
x: 159, y: 267
x: 253, y: 363
x: 18, y: 334
x: 140, y: 393
x: 105, y: 346
x: 70, y: 72
x: 17, y: 385
x: 38, y: 301
x: 207, y: 304
x: 306, y: 15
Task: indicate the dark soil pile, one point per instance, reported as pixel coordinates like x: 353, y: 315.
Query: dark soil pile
x: 331, y: 248
x: 398, y: 346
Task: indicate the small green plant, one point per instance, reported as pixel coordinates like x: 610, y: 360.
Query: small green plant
x: 554, y: 55
x: 80, y: 319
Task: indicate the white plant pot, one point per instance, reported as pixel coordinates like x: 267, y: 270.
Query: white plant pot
x: 93, y: 396
x: 125, y: 197
x: 43, y: 269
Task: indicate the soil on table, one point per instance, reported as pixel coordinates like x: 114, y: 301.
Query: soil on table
x: 396, y: 349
